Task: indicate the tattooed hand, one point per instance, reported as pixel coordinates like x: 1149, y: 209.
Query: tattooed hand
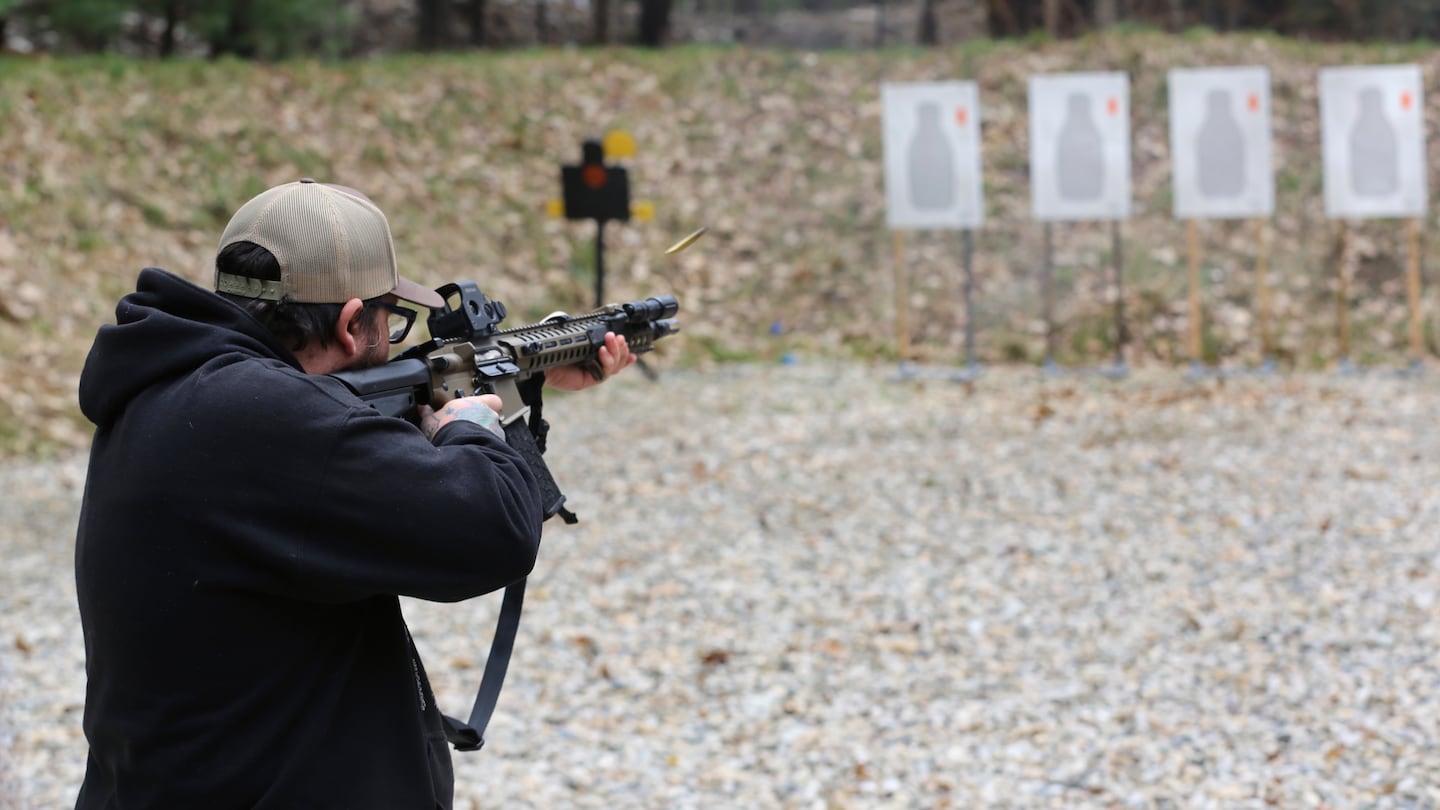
x: 483, y: 410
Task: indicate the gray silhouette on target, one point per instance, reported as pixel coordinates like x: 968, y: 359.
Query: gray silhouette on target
x: 1081, y: 158
x: 1220, y: 148
x: 932, y: 166
x: 1374, y: 166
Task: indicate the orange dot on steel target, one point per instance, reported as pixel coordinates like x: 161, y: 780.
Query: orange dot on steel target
x: 593, y: 175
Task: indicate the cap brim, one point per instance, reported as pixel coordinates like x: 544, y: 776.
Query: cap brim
x: 414, y: 293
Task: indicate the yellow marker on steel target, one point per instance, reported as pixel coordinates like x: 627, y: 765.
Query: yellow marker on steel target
x: 618, y: 144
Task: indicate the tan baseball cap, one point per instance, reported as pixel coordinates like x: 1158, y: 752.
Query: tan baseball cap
x: 332, y: 243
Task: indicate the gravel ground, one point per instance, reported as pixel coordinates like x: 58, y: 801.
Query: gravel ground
x: 818, y: 586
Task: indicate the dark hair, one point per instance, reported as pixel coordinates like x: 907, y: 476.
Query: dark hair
x: 292, y: 323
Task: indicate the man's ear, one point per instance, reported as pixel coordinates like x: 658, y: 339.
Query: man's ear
x: 350, y: 328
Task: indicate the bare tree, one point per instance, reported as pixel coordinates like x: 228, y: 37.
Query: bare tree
x: 654, y: 22
x: 433, y: 24
x: 600, y: 22
x: 171, y: 14
x: 929, y: 33
x: 1001, y: 19
x: 475, y: 16
x: 1107, y: 12
x: 1050, y: 13
x: 1176, y: 19
x: 238, y: 36
x: 1233, y: 14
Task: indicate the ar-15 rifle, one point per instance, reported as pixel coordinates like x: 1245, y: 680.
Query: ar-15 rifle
x: 468, y: 353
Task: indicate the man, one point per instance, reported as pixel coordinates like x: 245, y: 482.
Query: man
x: 248, y: 525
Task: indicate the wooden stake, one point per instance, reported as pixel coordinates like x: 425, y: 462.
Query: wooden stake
x: 1412, y: 289
x: 1262, y: 290
x: 1192, y: 252
x: 1121, y: 335
x: 902, y: 300
x: 1342, y: 293
x: 1047, y: 295
x: 967, y: 257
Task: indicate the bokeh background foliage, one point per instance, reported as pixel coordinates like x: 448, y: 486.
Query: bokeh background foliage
x: 109, y: 164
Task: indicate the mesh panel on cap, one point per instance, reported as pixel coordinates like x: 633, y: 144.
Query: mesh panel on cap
x: 331, y: 246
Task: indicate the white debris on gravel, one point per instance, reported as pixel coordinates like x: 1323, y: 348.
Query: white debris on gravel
x: 819, y: 586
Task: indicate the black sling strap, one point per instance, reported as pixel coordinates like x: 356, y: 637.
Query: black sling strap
x: 470, y: 736
x: 529, y: 440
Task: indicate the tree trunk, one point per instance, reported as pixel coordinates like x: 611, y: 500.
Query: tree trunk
x: 1262, y: 14
x: 1107, y: 13
x: 929, y: 33
x: 432, y: 33
x: 1233, y: 13
x: 1050, y: 14
x: 1001, y: 20
x: 654, y: 22
x: 600, y: 22
x: 475, y: 12
x: 238, y: 38
x: 167, y: 34
x: 542, y: 23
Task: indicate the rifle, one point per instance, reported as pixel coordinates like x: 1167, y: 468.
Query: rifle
x: 467, y: 354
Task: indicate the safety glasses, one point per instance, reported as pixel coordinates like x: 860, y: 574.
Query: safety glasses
x: 398, y: 321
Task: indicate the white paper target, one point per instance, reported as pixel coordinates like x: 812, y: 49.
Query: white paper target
x: 1080, y: 146
x: 1220, y: 143
x: 932, y: 155
x: 1372, y: 128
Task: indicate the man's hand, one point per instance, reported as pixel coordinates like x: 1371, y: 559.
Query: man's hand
x: 614, y: 357
x: 483, y: 410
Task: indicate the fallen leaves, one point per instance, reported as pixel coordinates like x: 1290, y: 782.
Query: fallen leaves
x: 103, y: 172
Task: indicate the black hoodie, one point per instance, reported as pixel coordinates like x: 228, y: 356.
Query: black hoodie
x: 245, y: 532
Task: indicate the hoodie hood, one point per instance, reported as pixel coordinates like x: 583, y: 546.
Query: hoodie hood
x: 166, y: 328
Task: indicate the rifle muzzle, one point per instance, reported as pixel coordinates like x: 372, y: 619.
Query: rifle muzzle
x: 651, y: 309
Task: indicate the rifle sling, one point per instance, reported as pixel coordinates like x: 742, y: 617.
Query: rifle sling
x: 470, y: 736
x: 529, y: 440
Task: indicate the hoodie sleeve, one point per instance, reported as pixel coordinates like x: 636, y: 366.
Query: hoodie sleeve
x: 321, y: 498
x: 442, y: 522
